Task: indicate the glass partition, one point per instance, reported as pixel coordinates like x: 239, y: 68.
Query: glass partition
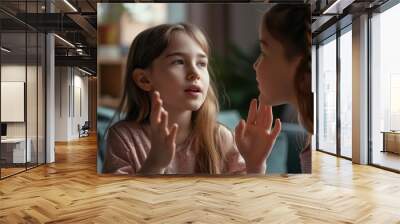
x: 327, y: 95
x: 385, y: 89
x: 22, y: 79
x: 346, y: 92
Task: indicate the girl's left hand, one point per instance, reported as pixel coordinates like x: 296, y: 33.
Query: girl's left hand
x: 255, y: 138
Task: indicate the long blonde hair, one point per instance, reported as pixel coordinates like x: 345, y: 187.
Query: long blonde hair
x: 136, y: 103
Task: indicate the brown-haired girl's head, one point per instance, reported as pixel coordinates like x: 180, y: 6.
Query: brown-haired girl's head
x: 284, y: 66
x: 170, y: 58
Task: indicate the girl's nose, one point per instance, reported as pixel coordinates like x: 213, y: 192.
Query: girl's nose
x: 192, y: 76
x: 255, y: 64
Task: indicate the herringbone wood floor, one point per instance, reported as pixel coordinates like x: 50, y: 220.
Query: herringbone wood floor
x: 70, y: 191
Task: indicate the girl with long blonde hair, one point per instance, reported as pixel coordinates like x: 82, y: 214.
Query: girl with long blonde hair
x: 171, y: 106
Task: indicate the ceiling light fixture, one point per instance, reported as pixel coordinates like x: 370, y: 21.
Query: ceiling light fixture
x: 70, y: 5
x: 5, y: 49
x: 64, y: 40
x: 84, y: 71
x: 337, y: 7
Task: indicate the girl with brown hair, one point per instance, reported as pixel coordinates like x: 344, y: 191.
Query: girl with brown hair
x: 283, y: 73
x: 171, y: 105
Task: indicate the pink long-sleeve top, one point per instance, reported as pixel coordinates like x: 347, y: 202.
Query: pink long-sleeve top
x: 128, y: 146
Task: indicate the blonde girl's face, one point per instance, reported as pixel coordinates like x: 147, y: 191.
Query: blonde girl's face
x: 180, y: 74
x: 274, y: 73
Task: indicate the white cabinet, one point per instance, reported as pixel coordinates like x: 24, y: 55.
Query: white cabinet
x: 15, y: 148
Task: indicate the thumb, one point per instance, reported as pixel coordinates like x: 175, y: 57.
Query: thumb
x: 172, y: 135
x: 277, y: 129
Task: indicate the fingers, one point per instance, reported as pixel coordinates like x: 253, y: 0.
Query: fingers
x: 277, y: 129
x: 264, y: 116
x: 251, y: 117
x: 268, y: 117
x: 156, y: 106
x: 239, y: 131
x: 171, y: 139
x: 164, y: 124
x: 261, y: 116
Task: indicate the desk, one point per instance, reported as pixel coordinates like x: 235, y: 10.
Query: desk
x: 13, y: 150
x: 391, y: 141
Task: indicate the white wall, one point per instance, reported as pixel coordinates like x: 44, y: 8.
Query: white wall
x: 13, y: 73
x: 69, y: 85
x: 80, y: 84
x: 61, y: 103
x: 33, y: 126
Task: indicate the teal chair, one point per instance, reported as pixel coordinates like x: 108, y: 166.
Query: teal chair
x: 104, y: 116
x: 285, y: 155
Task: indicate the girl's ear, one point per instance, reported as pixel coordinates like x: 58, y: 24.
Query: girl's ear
x: 141, y: 79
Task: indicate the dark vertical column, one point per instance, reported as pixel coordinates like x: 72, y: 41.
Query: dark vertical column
x: 37, y: 87
x: 338, y: 72
x: 317, y: 96
x: 0, y: 93
x: 26, y: 86
x: 369, y: 96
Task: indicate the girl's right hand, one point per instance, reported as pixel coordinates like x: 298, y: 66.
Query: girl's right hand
x: 256, y: 137
x: 162, y: 138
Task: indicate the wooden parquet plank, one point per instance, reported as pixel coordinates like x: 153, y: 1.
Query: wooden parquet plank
x: 70, y: 191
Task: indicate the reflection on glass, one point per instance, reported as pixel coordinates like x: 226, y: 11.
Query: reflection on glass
x: 23, y: 90
x: 327, y: 96
x: 13, y: 83
x: 345, y: 94
x: 385, y: 84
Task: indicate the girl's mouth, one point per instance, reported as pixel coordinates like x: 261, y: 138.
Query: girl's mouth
x: 193, y: 90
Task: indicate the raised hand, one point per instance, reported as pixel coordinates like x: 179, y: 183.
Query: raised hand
x: 255, y: 138
x: 162, y: 138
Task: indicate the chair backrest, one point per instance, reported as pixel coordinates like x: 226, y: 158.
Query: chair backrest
x: 285, y: 157
x: 86, y: 125
x: 229, y: 118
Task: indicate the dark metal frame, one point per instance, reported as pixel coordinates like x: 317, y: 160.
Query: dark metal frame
x: 380, y: 9
x: 339, y: 32
x: 317, y: 99
x: 0, y: 91
x: 338, y: 98
x: 369, y: 97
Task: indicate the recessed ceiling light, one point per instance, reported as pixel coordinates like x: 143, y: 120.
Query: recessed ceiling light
x: 5, y: 50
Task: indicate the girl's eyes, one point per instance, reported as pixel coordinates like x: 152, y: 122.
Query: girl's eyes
x: 182, y: 62
x: 178, y: 62
x: 202, y: 64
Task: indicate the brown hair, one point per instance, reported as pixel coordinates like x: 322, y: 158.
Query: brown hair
x: 290, y: 25
x: 136, y: 103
